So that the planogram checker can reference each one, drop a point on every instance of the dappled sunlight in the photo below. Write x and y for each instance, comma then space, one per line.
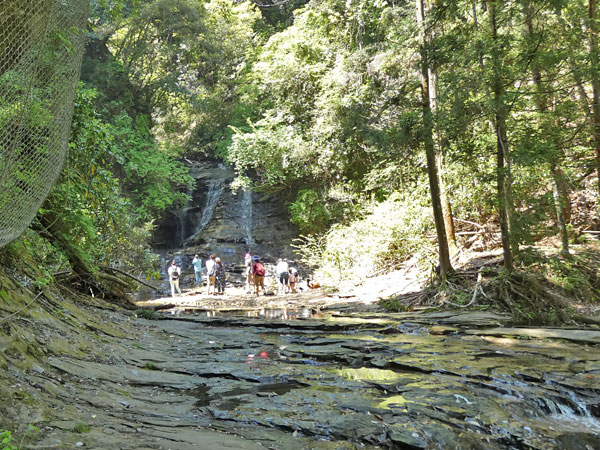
366, 374
396, 401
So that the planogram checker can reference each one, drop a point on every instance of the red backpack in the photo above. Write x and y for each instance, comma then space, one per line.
259, 269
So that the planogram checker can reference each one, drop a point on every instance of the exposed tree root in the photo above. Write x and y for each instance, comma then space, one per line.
83, 278
529, 300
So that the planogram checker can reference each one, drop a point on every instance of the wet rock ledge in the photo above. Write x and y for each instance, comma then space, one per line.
96, 378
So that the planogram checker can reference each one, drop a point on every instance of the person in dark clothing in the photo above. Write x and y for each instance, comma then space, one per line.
220, 277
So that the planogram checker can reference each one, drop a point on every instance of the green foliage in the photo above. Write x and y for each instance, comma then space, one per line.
89, 206
149, 314
6, 440
185, 59
393, 304
327, 108
88, 200
577, 275
309, 212
151, 172
387, 234
81, 428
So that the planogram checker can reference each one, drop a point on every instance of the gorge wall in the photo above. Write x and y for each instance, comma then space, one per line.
219, 220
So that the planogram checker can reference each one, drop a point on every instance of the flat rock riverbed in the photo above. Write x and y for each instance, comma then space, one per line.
326, 377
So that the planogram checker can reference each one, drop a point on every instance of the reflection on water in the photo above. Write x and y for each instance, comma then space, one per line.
283, 314
374, 379
269, 314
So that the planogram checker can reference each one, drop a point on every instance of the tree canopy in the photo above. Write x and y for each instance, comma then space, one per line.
487, 111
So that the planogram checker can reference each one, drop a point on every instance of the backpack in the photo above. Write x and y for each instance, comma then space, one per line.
174, 274
259, 269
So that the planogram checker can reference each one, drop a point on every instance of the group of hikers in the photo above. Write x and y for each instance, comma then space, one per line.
216, 276
255, 275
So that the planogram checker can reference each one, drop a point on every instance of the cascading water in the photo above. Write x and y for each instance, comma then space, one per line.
223, 218
246, 216
215, 190
182, 216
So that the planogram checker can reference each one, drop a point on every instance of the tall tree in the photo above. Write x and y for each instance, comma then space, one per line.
543, 102
592, 27
503, 161
439, 149
428, 140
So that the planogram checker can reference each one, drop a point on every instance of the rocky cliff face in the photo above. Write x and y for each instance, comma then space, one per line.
218, 220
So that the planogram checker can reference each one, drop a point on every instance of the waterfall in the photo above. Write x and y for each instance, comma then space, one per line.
182, 216
246, 216
215, 190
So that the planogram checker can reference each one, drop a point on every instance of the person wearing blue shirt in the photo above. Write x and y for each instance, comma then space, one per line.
197, 263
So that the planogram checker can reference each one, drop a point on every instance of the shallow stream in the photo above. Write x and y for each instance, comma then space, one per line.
341, 380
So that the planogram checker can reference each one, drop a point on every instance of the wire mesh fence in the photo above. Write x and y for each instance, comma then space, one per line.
41, 46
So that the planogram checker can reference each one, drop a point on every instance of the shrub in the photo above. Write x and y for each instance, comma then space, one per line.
6, 440
389, 233
143, 313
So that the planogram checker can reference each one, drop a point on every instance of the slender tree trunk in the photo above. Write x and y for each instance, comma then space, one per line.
439, 159
560, 204
560, 192
504, 182
594, 57
446, 206
445, 265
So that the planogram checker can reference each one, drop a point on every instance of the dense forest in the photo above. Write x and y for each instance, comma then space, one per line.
430, 168
393, 130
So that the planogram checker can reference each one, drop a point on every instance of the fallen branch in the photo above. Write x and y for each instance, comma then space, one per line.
474, 298
130, 276
5, 319
110, 278
62, 273
586, 320
470, 223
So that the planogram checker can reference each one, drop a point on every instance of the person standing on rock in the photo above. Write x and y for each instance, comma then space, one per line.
174, 274
197, 263
220, 277
258, 274
248, 271
211, 273
293, 279
283, 275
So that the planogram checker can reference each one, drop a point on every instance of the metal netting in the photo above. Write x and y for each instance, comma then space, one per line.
41, 46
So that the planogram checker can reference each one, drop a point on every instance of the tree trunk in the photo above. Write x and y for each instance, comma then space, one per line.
446, 206
49, 231
560, 191
439, 159
561, 200
445, 265
593, 50
504, 182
